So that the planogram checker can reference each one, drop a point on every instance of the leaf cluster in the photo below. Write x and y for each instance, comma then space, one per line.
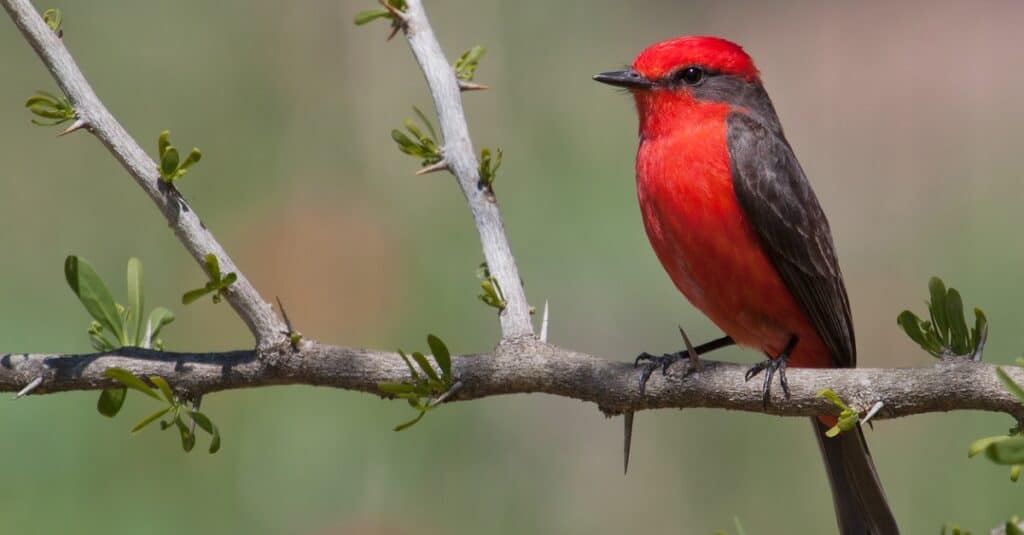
426, 384
946, 334
465, 66
489, 170
174, 413
55, 110
848, 418
492, 295
123, 323
422, 145
53, 18
171, 168
1004, 449
217, 285
390, 11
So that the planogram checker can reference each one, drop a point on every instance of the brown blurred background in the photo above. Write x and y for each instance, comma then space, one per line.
906, 117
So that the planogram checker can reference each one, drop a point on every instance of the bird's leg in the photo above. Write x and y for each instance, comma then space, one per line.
773, 364
664, 362
667, 359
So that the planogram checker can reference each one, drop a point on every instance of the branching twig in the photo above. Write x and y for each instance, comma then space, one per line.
94, 117
525, 367
460, 159
520, 364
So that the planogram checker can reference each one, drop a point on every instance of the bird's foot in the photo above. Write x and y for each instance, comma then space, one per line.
691, 354
770, 366
655, 362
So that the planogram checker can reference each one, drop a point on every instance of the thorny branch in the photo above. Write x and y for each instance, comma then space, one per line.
257, 314
520, 363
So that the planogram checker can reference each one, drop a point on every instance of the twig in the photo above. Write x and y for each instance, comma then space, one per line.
461, 160
258, 315
519, 368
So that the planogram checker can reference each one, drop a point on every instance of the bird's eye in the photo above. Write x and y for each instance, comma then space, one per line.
690, 75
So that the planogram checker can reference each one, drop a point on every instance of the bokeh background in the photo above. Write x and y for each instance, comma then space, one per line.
907, 117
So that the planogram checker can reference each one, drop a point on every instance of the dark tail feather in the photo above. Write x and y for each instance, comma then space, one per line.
861, 507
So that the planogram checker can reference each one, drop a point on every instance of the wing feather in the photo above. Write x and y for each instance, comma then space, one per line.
777, 199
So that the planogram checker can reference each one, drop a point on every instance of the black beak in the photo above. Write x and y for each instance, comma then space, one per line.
628, 79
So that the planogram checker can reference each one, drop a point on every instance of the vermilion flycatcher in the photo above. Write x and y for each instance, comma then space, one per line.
737, 227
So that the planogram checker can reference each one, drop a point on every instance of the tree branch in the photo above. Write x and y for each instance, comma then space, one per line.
264, 324
532, 367
520, 364
462, 162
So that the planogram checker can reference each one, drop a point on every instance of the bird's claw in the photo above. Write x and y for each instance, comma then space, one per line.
663, 362
773, 365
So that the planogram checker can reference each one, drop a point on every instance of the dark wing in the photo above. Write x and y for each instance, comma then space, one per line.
778, 201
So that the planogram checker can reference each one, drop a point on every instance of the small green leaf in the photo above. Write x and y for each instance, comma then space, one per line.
980, 332
111, 400
165, 388
228, 280
911, 325
1009, 451
206, 425
150, 419
188, 440
425, 365
958, 334
412, 369
404, 143
52, 17
193, 158
410, 423
135, 297
1010, 384
94, 295
979, 446
938, 308
193, 295
163, 142
371, 15
465, 66
169, 162
426, 122
158, 318
129, 379
212, 266
441, 355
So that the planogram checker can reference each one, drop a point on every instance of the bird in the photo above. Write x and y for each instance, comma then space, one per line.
734, 221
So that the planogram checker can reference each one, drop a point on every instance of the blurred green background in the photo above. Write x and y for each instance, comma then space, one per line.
906, 117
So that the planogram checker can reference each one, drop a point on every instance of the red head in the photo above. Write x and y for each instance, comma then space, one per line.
712, 54
707, 75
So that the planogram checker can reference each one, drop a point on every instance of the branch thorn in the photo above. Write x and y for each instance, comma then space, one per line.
872, 412
627, 439
433, 168
544, 324
472, 86
694, 358
444, 397
77, 125
29, 387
